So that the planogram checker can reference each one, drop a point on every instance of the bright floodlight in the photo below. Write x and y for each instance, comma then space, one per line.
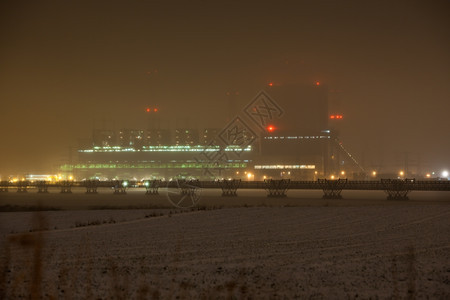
445, 174
125, 183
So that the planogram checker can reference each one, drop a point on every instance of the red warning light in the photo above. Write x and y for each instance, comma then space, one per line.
317, 83
147, 109
155, 109
336, 117
332, 116
270, 128
270, 83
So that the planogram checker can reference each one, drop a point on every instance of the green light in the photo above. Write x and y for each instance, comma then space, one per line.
157, 165
174, 148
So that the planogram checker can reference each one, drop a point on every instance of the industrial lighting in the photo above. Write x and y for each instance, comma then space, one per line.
342, 172
270, 128
374, 173
445, 173
401, 173
176, 148
278, 167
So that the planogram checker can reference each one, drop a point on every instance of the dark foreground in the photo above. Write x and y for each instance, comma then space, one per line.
342, 249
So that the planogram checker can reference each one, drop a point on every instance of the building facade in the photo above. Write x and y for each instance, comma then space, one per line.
299, 145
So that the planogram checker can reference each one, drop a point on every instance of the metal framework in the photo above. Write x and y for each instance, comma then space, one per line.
332, 188
277, 188
120, 187
189, 187
91, 186
66, 187
22, 186
182, 193
42, 186
4, 186
230, 187
152, 187
396, 189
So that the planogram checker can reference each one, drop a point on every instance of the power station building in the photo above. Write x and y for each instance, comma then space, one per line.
298, 144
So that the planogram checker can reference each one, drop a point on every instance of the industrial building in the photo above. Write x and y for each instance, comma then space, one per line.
300, 144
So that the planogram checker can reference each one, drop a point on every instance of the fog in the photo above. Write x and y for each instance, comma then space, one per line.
67, 66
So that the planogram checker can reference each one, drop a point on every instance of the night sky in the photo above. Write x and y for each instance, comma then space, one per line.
67, 66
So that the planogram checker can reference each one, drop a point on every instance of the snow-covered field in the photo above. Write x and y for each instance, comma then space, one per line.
246, 247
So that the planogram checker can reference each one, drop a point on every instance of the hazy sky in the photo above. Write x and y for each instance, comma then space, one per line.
67, 64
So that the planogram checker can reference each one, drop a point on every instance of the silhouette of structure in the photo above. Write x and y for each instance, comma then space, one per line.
301, 145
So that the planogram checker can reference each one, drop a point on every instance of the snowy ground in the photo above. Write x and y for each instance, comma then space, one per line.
246, 247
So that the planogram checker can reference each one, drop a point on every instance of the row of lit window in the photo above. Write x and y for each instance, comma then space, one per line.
278, 167
160, 165
297, 137
181, 148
